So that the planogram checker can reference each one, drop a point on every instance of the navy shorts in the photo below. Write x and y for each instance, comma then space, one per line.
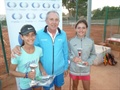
58, 81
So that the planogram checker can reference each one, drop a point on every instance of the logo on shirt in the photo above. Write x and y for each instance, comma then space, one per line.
43, 39
59, 39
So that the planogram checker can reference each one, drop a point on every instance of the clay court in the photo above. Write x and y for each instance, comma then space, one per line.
102, 77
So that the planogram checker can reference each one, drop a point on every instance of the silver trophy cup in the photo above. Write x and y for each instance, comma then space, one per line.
33, 66
79, 52
80, 64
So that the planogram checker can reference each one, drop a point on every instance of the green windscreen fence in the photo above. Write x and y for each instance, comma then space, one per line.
112, 23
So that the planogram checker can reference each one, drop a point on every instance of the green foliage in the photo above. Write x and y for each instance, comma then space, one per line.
71, 6
113, 12
4, 23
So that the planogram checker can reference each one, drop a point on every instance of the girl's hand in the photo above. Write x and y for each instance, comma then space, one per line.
77, 60
86, 63
31, 74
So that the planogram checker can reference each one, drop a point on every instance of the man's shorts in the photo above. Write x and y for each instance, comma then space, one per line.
87, 77
58, 81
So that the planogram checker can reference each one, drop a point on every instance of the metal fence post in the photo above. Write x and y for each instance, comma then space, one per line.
105, 24
76, 17
0, 85
3, 49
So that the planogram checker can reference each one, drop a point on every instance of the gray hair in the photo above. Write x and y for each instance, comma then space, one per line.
53, 11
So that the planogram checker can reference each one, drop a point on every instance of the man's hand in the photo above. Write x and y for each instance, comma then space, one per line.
15, 50
66, 73
44, 73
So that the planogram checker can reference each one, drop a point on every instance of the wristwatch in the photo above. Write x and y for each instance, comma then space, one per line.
26, 75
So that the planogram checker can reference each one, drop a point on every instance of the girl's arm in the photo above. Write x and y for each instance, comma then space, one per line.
15, 73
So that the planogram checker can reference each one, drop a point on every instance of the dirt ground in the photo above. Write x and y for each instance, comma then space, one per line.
96, 34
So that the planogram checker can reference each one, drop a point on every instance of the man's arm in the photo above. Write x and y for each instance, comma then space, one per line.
43, 72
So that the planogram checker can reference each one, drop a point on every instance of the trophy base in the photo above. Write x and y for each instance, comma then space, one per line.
81, 64
33, 83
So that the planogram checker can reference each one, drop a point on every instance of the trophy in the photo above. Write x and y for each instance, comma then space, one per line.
80, 64
79, 52
33, 66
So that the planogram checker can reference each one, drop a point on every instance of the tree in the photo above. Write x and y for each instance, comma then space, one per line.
4, 23
71, 6
113, 12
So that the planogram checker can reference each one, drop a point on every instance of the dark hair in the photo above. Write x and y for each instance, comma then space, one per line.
81, 21
22, 43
